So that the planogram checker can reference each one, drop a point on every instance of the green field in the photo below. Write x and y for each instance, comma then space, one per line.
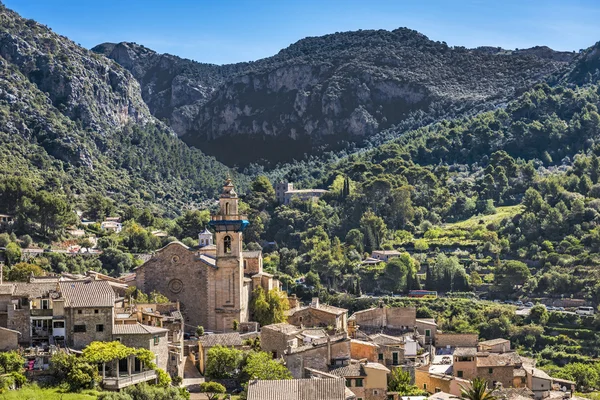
484, 220
36, 393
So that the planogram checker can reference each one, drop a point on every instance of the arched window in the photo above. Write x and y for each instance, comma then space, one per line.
227, 244
226, 208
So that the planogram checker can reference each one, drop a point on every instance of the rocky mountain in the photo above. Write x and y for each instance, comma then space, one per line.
74, 120
325, 92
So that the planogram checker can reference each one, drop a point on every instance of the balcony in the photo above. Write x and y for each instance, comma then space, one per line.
231, 217
38, 312
120, 382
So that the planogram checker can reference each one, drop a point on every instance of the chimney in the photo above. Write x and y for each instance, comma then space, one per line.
328, 347
315, 302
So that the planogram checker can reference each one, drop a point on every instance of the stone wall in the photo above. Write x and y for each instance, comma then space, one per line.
175, 272
456, 340
146, 341
316, 357
364, 350
273, 341
501, 374
9, 340
390, 317
91, 318
19, 320
313, 317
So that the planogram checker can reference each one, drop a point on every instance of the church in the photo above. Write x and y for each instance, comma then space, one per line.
213, 283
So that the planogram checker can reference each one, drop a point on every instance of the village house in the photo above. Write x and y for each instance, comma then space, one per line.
145, 337
6, 219
277, 338
9, 339
394, 321
300, 389
320, 315
213, 290
384, 255
285, 192
112, 224
206, 342
367, 380
494, 346
320, 354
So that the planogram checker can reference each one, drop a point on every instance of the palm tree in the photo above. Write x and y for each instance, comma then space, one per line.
477, 391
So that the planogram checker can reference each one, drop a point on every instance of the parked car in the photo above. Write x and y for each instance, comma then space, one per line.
560, 308
550, 308
518, 303
583, 310
529, 304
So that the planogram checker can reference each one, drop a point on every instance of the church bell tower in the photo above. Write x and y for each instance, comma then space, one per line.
229, 299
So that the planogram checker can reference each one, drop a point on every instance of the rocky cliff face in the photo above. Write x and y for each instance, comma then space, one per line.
326, 91
74, 118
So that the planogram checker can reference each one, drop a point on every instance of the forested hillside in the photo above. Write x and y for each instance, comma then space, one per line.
73, 122
326, 93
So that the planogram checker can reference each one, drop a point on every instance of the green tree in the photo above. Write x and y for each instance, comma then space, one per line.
192, 222
12, 253
478, 390
374, 229
21, 272
511, 274
212, 389
270, 307
200, 330
223, 362
260, 365
97, 207
400, 381
11, 361
539, 315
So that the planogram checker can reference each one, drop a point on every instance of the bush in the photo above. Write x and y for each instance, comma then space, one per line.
26, 241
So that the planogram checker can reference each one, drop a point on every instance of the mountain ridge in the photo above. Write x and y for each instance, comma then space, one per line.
327, 91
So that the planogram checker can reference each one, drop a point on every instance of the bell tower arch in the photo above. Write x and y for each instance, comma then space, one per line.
226, 289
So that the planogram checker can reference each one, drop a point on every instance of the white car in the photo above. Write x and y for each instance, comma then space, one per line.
585, 310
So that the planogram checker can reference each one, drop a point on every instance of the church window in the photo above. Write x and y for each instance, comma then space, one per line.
227, 244
226, 208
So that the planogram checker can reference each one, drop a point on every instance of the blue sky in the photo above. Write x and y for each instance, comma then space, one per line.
223, 31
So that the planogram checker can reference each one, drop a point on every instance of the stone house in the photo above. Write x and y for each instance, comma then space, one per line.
277, 338
145, 337
206, 342
452, 340
9, 339
300, 389
364, 350
499, 368
494, 346
393, 321
89, 312
320, 354
213, 290
435, 382
320, 315
34, 309
390, 349
385, 255
367, 380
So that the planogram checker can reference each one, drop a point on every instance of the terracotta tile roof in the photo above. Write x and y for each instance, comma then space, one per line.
323, 307
386, 340
7, 288
137, 329
252, 254
493, 342
498, 359
223, 339
298, 389
465, 351
350, 370
208, 260
34, 290
282, 327
87, 294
